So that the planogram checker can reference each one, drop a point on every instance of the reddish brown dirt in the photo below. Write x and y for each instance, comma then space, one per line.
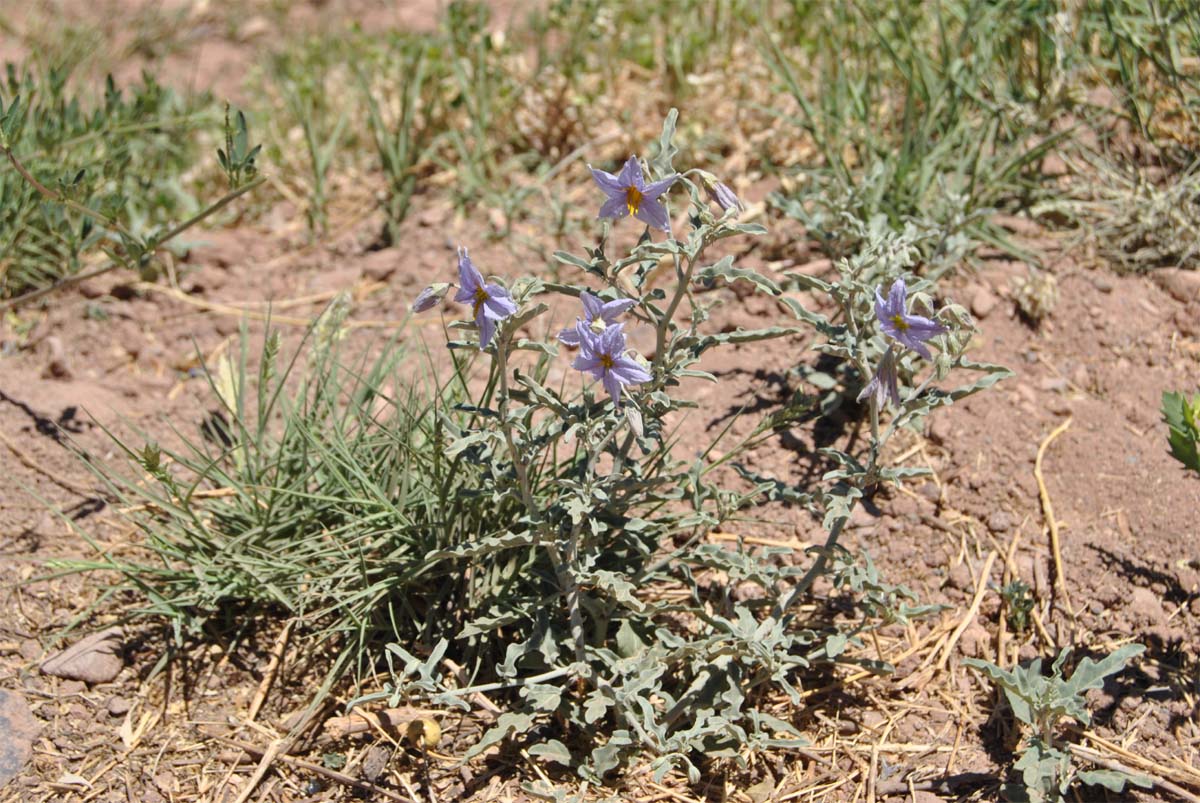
1125, 510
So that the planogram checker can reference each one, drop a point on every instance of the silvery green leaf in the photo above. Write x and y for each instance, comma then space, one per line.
1090, 674
486, 546
543, 697
508, 723
525, 344
571, 259
1113, 780
608, 756
552, 750
724, 270
802, 313
595, 708
1017, 689
835, 645
667, 150
524, 316
620, 588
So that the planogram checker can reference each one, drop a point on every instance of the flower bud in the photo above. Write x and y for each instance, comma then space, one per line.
430, 297
718, 192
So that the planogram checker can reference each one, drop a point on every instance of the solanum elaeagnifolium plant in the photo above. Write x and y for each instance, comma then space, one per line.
1048, 771
600, 586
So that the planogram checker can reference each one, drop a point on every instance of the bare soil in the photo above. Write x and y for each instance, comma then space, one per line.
1124, 510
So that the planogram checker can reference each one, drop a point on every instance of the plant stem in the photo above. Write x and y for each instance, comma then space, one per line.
157, 244
562, 565
815, 571
58, 197
502, 408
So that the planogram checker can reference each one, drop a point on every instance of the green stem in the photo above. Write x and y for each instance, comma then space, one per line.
157, 244
58, 197
814, 572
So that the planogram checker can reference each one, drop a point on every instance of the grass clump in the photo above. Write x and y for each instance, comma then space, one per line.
315, 489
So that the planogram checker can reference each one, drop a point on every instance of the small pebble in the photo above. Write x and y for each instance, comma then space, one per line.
983, 302
118, 705
1001, 521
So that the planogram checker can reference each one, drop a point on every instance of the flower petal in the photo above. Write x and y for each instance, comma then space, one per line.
631, 175
881, 307
609, 312
615, 208
613, 386
923, 328
896, 297
656, 189
630, 371
655, 214
499, 304
607, 182
469, 277
592, 306
612, 340
569, 336
913, 343
589, 363
487, 329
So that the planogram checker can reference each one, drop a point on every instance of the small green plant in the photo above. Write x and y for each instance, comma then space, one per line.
84, 177
89, 185
1039, 701
923, 115
1018, 603
307, 78
405, 137
1183, 427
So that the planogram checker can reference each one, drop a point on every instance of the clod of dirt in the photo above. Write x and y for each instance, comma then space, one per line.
975, 641
95, 659
939, 430
375, 762
1144, 604
1001, 521
17, 731
378, 266
983, 302
118, 705
960, 577
1183, 285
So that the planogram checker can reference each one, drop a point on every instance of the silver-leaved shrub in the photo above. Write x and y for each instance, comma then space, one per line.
597, 584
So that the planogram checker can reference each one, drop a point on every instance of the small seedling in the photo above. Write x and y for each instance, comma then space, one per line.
1039, 701
1183, 425
1018, 603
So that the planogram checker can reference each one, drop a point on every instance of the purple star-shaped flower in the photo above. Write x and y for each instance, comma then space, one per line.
597, 315
490, 303
629, 194
884, 386
907, 330
603, 356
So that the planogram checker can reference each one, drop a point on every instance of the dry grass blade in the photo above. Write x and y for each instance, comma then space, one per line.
1060, 580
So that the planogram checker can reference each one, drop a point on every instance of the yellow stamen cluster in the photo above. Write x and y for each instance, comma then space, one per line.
633, 199
481, 298
606, 360
900, 323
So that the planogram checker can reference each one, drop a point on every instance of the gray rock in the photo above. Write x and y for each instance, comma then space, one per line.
17, 731
95, 659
